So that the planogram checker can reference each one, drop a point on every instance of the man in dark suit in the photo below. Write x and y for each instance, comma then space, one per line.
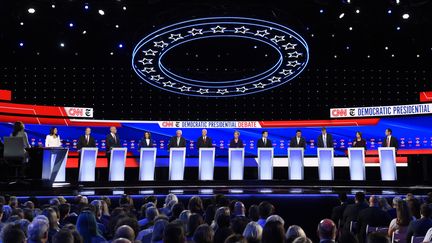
351, 211
325, 140
298, 141
204, 141
264, 142
373, 216
146, 141
389, 140
338, 211
177, 141
112, 141
86, 140
327, 231
420, 226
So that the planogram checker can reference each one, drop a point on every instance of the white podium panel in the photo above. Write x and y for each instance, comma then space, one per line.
177, 163
357, 169
147, 164
296, 163
265, 163
326, 164
54, 164
88, 157
117, 164
206, 164
387, 157
236, 163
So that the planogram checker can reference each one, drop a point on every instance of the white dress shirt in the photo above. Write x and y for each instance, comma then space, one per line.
147, 141
325, 140
50, 141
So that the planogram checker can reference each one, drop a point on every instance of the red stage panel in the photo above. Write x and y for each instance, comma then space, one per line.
426, 96
5, 95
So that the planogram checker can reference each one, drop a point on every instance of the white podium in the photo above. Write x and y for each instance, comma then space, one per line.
326, 164
235, 163
356, 157
117, 164
177, 164
54, 164
387, 157
147, 164
296, 163
206, 164
265, 163
87, 167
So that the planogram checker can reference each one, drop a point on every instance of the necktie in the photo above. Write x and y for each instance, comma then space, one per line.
265, 141
204, 139
178, 141
325, 141
298, 140
87, 139
115, 140
388, 141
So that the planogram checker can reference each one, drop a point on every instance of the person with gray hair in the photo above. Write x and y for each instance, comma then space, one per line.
150, 214
239, 209
204, 141
253, 232
293, 232
275, 218
178, 141
220, 211
158, 230
170, 200
38, 230
126, 232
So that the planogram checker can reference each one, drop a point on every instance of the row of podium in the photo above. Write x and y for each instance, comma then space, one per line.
54, 164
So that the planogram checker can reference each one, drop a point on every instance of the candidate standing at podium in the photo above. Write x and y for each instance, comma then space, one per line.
236, 142
298, 141
146, 141
325, 140
204, 141
86, 140
264, 142
52, 140
359, 142
112, 141
177, 141
390, 140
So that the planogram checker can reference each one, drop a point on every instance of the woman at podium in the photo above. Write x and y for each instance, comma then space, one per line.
146, 141
236, 142
359, 142
52, 140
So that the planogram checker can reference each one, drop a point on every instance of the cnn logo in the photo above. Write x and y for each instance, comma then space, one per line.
167, 124
76, 112
339, 112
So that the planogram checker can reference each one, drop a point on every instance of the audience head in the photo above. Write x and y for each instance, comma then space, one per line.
265, 209
174, 233
203, 234
121, 240
253, 232
170, 197
293, 232
302, 240
195, 220
125, 231
276, 218
87, 225
151, 213
425, 211
239, 209
403, 216
273, 232
12, 233
195, 205
253, 213
359, 197
158, 228
38, 229
63, 236
236, 238
373, 201
327, 230
238, 224
342, 196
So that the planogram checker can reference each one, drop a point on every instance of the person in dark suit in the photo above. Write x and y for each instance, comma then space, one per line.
236, 142
146, 141
327, 231
359, 142
298, 141
177, 141
264, 142
373, 216
204, 141
112, 141
351, 211
325, 140
420, 226
338, 211
86, 140
390, 140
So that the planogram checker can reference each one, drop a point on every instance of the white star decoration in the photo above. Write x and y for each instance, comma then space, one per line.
289, 46
218, 29
150, 52
294, 54
175, 37
146, 61
222, 91
286, 72
156, 77
274, 79
149, 70
160, 44
184, 88
168, 84
242, 89
241, 30
293, 63
262, 33
195, 32
203, 91
278, 38
259, 85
